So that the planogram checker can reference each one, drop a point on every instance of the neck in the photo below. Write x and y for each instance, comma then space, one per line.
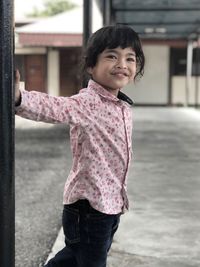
110, 90
113, 91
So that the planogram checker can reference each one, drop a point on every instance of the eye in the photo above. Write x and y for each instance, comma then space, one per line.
111, 56
131, 59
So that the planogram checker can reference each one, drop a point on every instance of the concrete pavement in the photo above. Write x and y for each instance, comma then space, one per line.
42, 162
162, 228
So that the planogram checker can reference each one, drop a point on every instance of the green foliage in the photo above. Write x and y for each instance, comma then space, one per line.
52, 7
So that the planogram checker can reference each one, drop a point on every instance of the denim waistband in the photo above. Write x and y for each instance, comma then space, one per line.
82, 205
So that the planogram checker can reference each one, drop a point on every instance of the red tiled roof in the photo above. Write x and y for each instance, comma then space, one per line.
53, 40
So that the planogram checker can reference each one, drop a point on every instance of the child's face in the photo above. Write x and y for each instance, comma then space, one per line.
115, 68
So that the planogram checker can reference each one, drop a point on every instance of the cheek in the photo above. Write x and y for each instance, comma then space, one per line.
133, 71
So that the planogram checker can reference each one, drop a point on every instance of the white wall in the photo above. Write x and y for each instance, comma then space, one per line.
179, 90
152, 88
97, 18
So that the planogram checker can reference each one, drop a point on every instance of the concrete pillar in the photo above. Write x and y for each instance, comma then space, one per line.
189, 70
198, 71
87, 28
53, 77
106, 12
87, 20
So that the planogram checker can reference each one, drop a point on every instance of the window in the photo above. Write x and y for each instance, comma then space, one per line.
179, 61
196, 62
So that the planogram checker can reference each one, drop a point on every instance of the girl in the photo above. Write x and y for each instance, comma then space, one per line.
100, 119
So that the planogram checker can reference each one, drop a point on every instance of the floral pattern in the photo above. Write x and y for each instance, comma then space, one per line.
100, 134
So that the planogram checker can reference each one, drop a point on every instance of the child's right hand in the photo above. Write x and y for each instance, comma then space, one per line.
17, 85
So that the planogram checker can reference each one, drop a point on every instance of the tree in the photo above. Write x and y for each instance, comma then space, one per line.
52, 7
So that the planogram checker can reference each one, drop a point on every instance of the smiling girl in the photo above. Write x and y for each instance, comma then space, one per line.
100, 119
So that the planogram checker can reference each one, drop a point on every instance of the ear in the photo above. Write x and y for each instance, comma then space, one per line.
90, 70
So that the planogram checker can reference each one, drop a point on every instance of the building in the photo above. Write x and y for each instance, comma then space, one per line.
50, 50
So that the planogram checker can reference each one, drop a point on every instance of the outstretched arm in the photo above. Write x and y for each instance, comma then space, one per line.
40, 106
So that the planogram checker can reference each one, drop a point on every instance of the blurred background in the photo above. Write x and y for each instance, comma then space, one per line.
49, 46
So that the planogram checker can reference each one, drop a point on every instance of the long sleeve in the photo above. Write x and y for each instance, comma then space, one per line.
43, 107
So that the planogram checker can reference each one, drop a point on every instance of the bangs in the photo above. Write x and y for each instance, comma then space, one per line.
120, 38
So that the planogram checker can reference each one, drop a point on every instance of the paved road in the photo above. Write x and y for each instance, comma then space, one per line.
162, 228
41, 169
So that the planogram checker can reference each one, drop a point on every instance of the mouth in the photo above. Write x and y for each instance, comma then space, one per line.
120, 73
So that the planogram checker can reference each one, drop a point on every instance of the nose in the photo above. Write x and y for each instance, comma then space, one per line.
121, 63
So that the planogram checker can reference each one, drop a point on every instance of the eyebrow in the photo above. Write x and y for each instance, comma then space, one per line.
132, 54
114, 51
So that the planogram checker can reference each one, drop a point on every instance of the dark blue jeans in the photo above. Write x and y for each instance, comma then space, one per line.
88, 236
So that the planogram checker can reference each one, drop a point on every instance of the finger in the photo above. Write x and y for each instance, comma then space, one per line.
17, 75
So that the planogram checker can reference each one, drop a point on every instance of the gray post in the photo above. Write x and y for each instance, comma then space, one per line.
87, 20
106, 12
197, 72
189, 71
7, 221
87, 29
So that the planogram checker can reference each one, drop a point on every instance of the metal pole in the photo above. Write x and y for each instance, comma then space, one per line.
7, 204
189, 71
87, 29
87, 20
106, 12
197, 72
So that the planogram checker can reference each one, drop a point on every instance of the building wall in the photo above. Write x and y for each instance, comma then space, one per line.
179, 91
32, 64
53, 70
70, 74
152, 88
62, 77
35, 72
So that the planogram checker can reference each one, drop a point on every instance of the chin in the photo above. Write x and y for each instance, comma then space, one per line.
119, 86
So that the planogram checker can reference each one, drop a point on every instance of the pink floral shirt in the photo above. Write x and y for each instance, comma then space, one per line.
100, 134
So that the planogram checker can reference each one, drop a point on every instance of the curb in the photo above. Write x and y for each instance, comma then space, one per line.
58, 245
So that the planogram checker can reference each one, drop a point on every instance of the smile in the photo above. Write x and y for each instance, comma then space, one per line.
120, 74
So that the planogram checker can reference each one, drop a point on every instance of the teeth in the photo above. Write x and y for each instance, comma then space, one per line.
119, 73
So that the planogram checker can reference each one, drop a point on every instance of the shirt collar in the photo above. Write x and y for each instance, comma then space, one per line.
101, 90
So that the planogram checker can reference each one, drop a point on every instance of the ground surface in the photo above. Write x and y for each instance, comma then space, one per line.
161, 229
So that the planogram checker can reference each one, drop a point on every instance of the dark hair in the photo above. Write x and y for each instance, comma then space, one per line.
111, 37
